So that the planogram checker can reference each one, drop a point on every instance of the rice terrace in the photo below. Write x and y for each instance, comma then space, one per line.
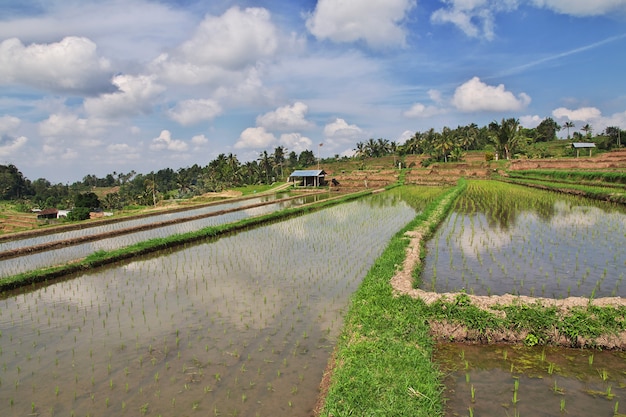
470, 288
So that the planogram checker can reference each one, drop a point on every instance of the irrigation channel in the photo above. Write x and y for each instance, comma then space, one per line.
240, 325
53, 249
499, 239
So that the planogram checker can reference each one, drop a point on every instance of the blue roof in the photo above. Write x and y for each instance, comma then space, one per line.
308, 173
583, 145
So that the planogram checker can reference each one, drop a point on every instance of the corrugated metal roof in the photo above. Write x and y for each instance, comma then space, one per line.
308, 173
583, 145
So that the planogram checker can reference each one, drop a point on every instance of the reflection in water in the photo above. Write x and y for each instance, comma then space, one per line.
574, 247
13, 266
242, 325
542, 381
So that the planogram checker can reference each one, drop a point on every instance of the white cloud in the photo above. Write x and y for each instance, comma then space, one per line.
295, 142
189, 112
476, 18
583, 114
255, 138
223, 49
9, 145
64, 125
582, 7
71, 65
199, 140
165, 142
474, 96
234, 40
135, 95
119, 148
421, 110
435, 96
377, 22
9, 124
286, 118
340, 131
530, 122
473, 17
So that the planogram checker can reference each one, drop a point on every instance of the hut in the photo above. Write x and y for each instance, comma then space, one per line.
583, 145
49, 213
308, 177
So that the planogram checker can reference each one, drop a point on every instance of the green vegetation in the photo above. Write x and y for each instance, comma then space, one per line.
106, 257
383, 357
602, 191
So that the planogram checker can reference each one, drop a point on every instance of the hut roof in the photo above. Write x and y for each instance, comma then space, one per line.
583, 145
308, 173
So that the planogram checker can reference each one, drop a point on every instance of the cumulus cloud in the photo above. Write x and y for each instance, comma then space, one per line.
341, 131
199, 140
295, 142
286, 118
476, 18
71, 65
475, 95
255, 138
419, 110
583, 114
222, 50
377, 22
135, 95
9, 124
165, 142
582, 7
190, 112
64, 125
9, 145
530, 122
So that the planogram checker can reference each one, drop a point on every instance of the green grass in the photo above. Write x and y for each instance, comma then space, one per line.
383, 357
383, 361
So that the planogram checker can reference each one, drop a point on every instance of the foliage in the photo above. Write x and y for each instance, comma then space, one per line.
88, 200
78, 213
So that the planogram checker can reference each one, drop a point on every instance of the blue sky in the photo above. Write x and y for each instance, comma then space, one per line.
93, 87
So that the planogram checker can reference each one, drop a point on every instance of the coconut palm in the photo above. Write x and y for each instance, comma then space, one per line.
568, 125
505, 136
587, 129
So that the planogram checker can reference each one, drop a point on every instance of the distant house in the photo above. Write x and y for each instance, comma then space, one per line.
583, 145
50, 213
308, 177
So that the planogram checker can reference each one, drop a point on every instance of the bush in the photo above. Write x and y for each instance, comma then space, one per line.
489, 156
78, 213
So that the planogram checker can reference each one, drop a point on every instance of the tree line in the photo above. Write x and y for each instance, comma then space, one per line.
504, 139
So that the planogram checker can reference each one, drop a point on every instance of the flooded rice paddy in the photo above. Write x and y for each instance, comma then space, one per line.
522, 381
24, 263
502, 238
242, 325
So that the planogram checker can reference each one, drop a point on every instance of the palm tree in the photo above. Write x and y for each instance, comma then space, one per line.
265, 164
587, 129
278, 158
505, 136
568, 125
445, 143
359, 150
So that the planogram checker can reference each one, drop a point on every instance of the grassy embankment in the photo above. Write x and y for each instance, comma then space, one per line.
598, 185
106, 257
383, 361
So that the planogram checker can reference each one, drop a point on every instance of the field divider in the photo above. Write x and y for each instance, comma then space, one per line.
101, 258
27, 250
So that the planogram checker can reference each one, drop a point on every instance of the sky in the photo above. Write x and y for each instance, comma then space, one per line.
103, 86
